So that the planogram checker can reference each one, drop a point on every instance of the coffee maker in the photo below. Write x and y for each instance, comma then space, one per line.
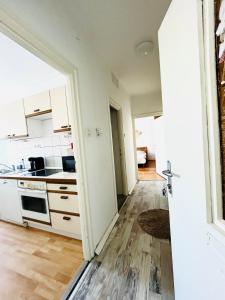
36, 163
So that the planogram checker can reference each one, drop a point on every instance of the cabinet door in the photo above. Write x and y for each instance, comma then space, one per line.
16, 124
10, 208
36, 104
59, 109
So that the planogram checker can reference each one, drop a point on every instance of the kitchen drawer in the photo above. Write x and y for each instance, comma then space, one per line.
66, 223
62, 187
62, 202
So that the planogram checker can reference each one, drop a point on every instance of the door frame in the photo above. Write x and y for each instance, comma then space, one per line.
147, 114
112, 103
12, 27
214, 192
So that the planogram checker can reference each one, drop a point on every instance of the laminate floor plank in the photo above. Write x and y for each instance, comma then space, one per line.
167, 272
131, 266
35, 264
148, 172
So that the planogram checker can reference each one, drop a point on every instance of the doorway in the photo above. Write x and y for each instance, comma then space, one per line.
116, 132
149, 148
54, 143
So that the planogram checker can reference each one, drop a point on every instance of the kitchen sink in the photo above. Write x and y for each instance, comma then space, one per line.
3, 171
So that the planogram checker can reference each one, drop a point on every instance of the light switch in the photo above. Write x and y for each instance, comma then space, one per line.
99, 131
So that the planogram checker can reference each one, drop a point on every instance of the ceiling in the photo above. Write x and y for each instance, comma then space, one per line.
22, 73
114, 28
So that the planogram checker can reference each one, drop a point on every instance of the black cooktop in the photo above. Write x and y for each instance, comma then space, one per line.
44, 172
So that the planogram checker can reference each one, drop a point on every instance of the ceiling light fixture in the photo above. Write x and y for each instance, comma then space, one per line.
144, 48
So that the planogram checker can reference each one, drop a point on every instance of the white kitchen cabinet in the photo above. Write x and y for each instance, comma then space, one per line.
59, 109
63, 202
37, 104
15, 121
10, 208
62, 187
66, 223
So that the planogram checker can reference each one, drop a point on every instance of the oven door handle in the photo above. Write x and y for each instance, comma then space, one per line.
31, 191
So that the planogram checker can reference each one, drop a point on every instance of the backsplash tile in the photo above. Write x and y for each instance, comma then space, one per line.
50, 145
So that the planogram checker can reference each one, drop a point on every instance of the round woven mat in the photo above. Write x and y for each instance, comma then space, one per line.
156, 223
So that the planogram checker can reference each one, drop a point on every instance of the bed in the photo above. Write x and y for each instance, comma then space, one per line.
142, 155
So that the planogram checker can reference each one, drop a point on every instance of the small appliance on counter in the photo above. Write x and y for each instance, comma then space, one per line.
69, 164
36, 163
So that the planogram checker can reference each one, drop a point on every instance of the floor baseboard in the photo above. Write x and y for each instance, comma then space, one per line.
131, 190
106, 235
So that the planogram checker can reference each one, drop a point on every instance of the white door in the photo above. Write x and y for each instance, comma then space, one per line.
180, 44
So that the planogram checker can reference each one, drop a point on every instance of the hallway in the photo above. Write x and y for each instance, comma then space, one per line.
133, 264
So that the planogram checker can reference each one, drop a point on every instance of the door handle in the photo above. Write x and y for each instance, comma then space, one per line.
167, 173
63, 187
164, 192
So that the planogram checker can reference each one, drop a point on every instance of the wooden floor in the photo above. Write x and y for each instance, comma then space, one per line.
133, 265
149, 172
36, 265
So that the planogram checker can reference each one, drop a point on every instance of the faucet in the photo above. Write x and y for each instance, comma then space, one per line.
13, 168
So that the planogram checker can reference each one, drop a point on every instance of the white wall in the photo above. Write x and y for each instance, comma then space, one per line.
46, 144
144, 105
35, 77
145, 135
49, 21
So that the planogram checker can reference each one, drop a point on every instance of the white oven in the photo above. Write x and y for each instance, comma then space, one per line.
34, 201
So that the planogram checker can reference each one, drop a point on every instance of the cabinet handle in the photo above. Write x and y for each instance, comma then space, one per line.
64, 197
36, 110
64, 126
63, 187
66, 218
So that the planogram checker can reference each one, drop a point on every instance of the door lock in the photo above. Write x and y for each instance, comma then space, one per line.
164, 192
168, 173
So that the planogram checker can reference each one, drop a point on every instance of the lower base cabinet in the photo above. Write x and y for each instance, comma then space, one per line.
10, 207
67, 223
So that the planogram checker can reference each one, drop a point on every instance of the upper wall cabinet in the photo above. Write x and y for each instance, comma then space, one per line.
15, 123
59, 109
37, 104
